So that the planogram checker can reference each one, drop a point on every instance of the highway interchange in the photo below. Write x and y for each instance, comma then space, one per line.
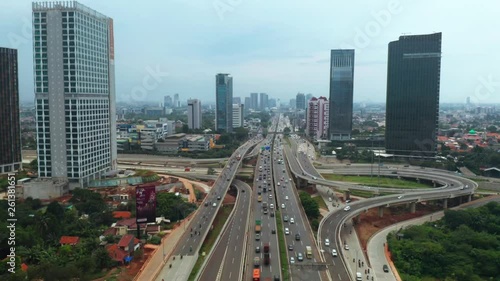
282, 166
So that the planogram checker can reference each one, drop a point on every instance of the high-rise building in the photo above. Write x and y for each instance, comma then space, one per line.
236, 100
224, 103
194, 114
300, 101
177, 102
292, 103
254, 97
272, 103
308, 97
264, 101
10, 130
74, 75
238, 115
341, 94
317, 118
167, 102
413, 78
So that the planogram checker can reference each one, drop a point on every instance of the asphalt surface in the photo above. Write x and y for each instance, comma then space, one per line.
198, 228
227, 256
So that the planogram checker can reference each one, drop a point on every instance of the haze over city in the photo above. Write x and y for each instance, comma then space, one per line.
280, 48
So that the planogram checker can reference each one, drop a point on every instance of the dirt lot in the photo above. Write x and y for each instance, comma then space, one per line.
370, 222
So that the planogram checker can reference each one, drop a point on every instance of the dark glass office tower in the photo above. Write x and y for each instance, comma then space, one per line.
341, 93
413, 76
224, 103
10, 132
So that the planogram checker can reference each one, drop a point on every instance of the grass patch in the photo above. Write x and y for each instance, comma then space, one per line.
321, 202
375, 181
282, 246
207, 245
361, 193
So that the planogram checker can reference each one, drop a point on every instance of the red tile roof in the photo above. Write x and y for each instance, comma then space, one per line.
122, 215
125, 241
116, 253
69, 240
110, 231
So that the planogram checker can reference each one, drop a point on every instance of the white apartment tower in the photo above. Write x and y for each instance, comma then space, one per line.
194, 114
317, 118
238, 115
74, 72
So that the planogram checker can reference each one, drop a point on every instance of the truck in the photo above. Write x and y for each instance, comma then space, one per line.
257, 226
309, 252
267, 259
264, 206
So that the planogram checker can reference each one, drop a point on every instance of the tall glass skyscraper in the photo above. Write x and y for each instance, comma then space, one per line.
10, 130
341, 94
413, 78
74, 75
224, 103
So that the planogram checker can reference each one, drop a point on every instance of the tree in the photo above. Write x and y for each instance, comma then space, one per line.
56, 209
185, 129
492, 129
287, 130
210, 171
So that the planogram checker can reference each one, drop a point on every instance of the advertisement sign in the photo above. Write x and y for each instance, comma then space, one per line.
145, 203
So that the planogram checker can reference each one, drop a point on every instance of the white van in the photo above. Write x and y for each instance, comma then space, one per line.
359, 277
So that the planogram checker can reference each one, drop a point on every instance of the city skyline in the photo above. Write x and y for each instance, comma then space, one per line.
288, 65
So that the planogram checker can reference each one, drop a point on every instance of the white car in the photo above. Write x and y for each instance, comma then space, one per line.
286, 197
270, 196
279, 184
327, 242
271, 206
329, 199
334, 253
347, 208
292, 260
282, 206
214, 204
346, 247
287, 231
401, 196
292, 220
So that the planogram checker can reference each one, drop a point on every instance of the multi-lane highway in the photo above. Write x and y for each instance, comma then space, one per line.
227, 257
185, 253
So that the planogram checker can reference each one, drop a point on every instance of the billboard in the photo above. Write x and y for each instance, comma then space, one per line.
145, 203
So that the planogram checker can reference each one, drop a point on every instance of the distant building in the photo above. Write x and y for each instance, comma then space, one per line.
341, 94
154, 111
194, 143
237, 115
224, 103
177, 102
255, 101
272, 103
10, 130
264, 101
293, 103
300, 101
194, 114
317, 118
41, 188
74, 84
236, 100
413, 79
308, 98
167, 102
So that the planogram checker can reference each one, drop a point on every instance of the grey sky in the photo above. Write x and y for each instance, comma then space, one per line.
280, 48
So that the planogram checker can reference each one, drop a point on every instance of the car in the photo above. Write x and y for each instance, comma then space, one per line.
242, 190
279, 183
297, 237
292, 260
257, 237
270, 196
282, 206
346, 247
348, 201
287, 231
292, 220
285, 218
268, 189
385, 268
300, 257
206, 203
290, 179
257, 249
330, 199
334, 253
347, 208
214, 204
290, 247
286, 197
327, 242
315, 178
228, 179
276, 278
272, 214
401, 196
271, 206
256, 262
273, 231
286, 181
265, 212
259, 193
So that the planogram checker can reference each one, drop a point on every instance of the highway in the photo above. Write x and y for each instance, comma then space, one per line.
227, 256
185, 253
331, 226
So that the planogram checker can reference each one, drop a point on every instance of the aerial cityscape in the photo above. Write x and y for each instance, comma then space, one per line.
241, 140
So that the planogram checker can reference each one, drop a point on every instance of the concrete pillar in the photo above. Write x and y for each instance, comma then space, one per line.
413, 206
469, 197
445, 203
434, 183
380, 211
347, 195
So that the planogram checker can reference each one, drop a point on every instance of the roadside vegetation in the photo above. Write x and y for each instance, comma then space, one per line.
311, 208
463, 246
375, 181
285, 271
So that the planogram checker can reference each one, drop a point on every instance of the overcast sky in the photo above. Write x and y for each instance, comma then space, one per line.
280, 47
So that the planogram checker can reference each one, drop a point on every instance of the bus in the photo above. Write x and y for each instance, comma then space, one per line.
308, 252
256, 274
